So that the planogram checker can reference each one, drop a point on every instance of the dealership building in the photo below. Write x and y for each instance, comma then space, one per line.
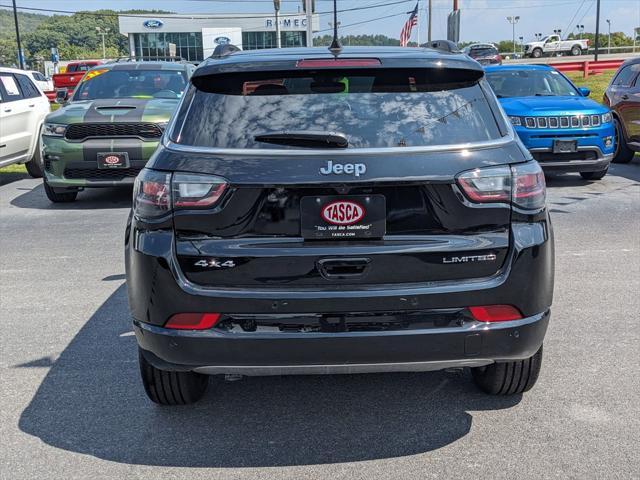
196, 36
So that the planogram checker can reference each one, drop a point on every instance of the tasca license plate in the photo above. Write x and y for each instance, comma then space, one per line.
113, 160
343, 217
565, 146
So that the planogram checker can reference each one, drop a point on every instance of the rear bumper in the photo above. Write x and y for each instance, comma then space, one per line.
157, 289
214, 352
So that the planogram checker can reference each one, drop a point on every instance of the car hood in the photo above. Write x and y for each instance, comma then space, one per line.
123, 110
538, 106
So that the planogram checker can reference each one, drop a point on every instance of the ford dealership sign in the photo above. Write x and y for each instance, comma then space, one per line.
152, 23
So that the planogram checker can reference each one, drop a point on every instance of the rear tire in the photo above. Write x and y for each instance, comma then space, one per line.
171, 388
623, 153
59, 197
509, 378
537, 53
576, 50
594, 175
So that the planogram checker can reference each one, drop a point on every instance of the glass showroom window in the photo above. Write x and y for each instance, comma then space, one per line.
156, 45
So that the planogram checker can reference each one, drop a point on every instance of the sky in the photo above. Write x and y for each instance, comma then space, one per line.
481, 20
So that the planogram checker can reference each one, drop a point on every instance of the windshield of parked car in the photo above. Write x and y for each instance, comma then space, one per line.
81, 67
483, 52
368, 109
529, 83
105, 83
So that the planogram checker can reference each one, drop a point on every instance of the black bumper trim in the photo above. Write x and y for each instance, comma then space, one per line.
576, 166
212, 351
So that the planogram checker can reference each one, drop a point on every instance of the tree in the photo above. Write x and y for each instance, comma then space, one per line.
75, 36
618, 39
359, 40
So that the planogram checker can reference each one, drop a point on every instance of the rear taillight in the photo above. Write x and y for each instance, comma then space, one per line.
156, 193
529, 188
487, 185
495, 313
196, 191
192, 321
523, 185
152, 194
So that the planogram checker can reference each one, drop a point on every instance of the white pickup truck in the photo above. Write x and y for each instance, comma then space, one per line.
552, 45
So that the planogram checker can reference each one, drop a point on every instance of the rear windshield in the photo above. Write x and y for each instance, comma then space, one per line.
483, 51
106, 83
383, 108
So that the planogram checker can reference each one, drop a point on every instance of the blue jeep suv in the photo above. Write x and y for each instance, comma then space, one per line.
563, 130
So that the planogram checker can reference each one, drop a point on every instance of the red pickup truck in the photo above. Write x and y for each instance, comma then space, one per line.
73, 74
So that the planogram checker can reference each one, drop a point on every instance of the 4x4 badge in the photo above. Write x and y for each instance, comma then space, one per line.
215, 263
356, 169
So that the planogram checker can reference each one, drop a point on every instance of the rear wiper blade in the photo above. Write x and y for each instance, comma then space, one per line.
305, 138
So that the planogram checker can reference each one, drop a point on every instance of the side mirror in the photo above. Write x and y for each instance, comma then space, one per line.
584, 91
62, 96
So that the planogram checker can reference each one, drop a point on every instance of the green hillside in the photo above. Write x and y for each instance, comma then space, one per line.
27, 21
75, 35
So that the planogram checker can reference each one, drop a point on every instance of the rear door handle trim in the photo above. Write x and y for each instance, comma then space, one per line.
343, 268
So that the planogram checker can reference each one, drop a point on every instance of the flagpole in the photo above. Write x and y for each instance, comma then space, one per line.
424, 19
429, 24
420, 20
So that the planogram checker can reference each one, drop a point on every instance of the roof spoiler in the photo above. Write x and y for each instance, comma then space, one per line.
224, 50
444, 46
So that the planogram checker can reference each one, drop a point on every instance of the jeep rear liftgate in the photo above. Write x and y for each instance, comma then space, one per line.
327, 178
394, 245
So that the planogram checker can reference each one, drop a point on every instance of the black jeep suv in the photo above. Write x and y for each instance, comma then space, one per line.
306, 213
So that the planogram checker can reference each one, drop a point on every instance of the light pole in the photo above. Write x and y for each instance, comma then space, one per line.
558, 32
513, 21
102, 32
310, 6
595, 57
276, 7
580, 30
20, 54
609, 36
521, 45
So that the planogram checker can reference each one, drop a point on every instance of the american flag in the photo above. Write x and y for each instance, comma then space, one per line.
405, 34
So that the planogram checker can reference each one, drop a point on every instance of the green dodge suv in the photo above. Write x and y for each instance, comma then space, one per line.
111, 126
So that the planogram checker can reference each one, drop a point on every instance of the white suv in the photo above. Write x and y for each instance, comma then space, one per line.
45, 84
23, 108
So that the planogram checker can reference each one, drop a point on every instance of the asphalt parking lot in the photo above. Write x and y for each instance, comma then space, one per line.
73, 405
